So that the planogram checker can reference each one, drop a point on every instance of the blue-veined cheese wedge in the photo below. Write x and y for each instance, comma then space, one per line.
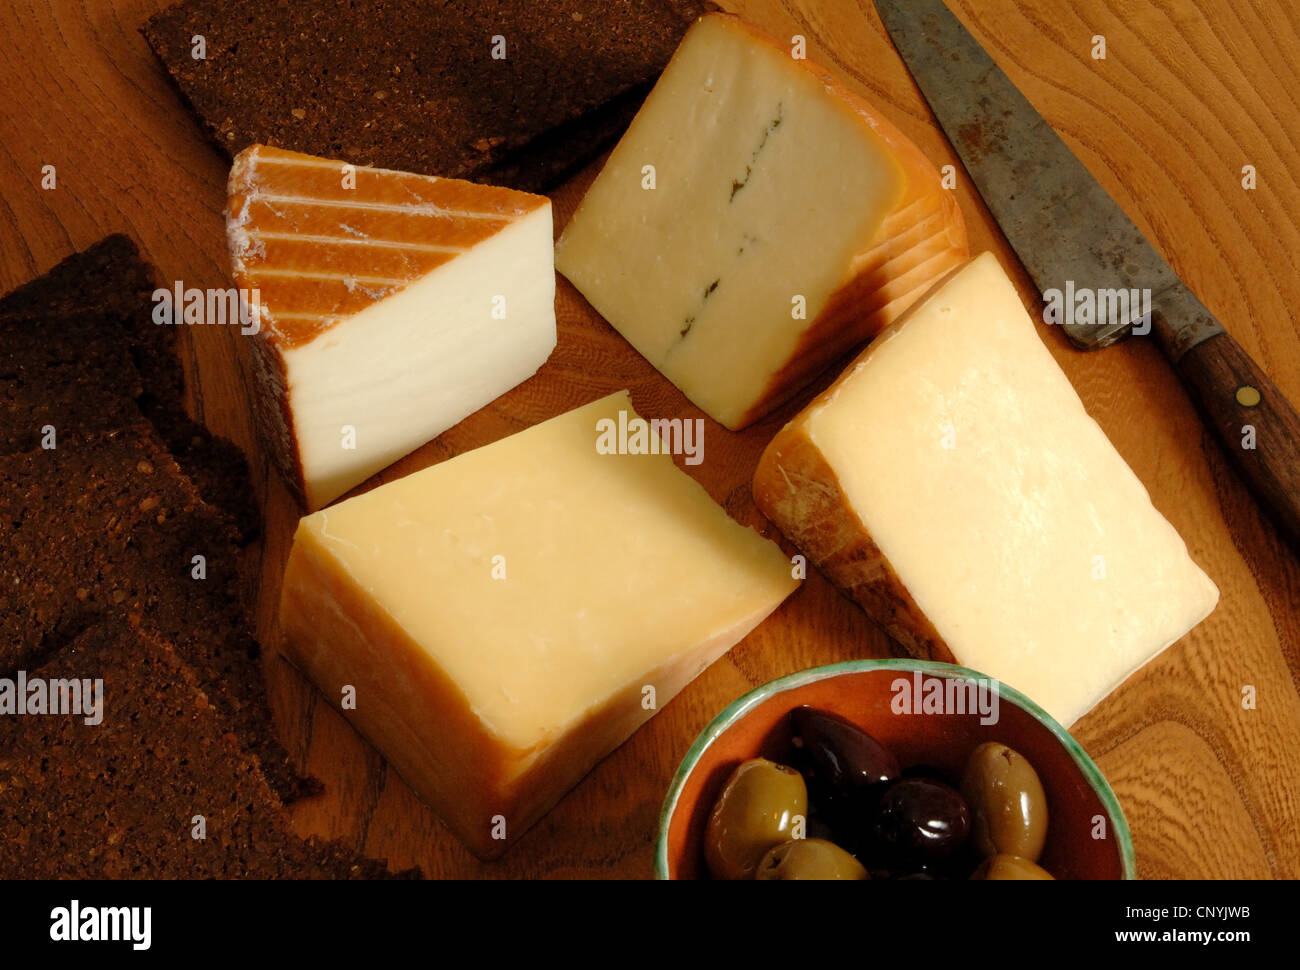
755, 223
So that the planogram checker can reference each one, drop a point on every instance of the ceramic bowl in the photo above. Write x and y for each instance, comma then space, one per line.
896, 702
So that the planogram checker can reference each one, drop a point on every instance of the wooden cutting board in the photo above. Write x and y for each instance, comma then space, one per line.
1187, 95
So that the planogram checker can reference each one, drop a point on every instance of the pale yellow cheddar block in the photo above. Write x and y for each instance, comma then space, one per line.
756, 222
952, 483
500, 614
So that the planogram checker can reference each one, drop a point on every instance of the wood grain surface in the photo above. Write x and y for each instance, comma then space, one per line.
1190, 92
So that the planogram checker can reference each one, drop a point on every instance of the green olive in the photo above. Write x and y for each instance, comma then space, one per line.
809, 859
757, 809
1010, 867
1007, 804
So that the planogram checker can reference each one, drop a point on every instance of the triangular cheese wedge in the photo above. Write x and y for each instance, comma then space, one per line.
391, 306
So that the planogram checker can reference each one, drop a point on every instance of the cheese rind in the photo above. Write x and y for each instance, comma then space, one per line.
501, 613
786, 222
952, 483
392, 306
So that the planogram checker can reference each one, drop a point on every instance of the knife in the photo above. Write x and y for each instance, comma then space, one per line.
1069, 233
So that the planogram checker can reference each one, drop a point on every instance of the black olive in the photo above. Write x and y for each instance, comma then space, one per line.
843, 758
920, 820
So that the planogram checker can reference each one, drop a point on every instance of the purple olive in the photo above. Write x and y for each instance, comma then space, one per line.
921, 819
844, 758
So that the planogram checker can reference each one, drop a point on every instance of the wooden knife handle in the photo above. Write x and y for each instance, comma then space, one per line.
1256, 423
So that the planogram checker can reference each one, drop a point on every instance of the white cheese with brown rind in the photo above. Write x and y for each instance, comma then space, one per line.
952, 483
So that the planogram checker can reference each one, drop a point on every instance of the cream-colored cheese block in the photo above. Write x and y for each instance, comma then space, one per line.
756, 222
502, 614
952, 483
392, 306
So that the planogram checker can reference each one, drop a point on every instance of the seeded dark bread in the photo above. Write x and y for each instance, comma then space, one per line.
109, 277
413, 84
110, 527
552, 157
63, 378
217, 467
105, 291
119, 799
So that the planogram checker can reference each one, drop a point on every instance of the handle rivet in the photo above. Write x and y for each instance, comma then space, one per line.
1247, 396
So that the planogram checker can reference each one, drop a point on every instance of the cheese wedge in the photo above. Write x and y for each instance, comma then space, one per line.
509, 616
392, 306
952, 483
756, 221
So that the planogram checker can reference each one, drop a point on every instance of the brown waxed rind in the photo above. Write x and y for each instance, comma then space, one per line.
866, 303
272, 415
322, 240
799, 492
293, 175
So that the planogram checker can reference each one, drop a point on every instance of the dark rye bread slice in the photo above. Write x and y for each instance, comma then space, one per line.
216, 466
108, 276
110, 527
109, 524
108, 288
561, 152
66, 377
414, 85
118, 799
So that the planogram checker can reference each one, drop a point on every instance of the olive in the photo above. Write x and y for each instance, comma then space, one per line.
809, 859
842, 755
1007, 804
1003, 866
921, 819
756, 810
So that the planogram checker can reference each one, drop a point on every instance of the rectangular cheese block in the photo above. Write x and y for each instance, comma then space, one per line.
756, 221
392, 306
952, 483
501, 615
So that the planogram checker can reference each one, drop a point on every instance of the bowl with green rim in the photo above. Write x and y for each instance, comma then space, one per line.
927, 713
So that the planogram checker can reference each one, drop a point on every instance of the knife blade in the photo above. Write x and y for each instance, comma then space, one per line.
1068, 232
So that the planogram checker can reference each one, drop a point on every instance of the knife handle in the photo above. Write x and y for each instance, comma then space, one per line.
1256, 424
